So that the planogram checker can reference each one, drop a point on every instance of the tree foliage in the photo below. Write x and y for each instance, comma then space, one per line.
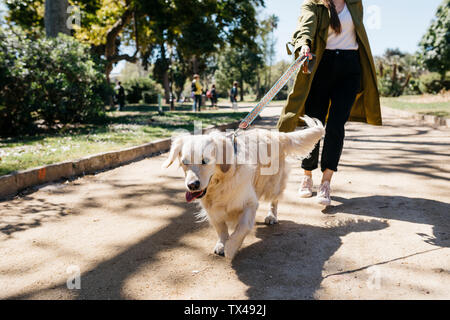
142, 90
187, 34
434, 46
397, 73
47, 81
28, 14
267, 44
238, 64
177, 37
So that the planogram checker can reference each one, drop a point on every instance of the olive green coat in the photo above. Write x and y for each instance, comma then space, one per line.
313, 30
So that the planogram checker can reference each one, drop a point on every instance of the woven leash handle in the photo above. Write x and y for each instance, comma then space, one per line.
293, 69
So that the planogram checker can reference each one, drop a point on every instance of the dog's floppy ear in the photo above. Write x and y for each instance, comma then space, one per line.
175, 150
225, 167
225, 153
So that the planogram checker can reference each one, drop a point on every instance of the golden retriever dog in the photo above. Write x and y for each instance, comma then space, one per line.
230, 175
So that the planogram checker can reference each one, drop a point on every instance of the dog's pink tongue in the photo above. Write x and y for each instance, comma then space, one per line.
192, 196
189, 196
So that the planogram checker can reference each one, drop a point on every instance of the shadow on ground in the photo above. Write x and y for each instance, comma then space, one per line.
31, 215
106, 280
288, 262
414, 210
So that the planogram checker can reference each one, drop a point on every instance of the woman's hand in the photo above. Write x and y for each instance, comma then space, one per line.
305, 51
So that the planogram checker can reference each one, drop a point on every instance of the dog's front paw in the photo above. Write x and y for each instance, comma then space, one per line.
219, 249
271, 219
230, 250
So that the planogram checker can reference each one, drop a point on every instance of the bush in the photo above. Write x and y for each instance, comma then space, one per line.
47, 81
447, 81
413, 87
387, 88
142, 90
283, 94
431, 83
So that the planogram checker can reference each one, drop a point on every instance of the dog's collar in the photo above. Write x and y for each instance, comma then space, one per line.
233, 141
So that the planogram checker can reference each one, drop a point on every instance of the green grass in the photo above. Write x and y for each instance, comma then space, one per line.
134, 126
417, 104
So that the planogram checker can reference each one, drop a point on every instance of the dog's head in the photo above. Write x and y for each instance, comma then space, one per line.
201, 157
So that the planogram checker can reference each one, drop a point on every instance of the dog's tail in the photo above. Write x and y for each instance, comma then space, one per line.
302, 142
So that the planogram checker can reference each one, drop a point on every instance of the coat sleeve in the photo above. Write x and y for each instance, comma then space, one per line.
307, 26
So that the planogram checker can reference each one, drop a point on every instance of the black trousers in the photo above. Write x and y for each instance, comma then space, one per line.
337, 79
198, 102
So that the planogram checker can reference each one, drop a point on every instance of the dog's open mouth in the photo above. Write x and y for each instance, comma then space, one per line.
191, 196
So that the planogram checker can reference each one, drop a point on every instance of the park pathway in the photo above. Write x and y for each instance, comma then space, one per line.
131, 234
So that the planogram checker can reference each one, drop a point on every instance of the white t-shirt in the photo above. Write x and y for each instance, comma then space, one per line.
346, 40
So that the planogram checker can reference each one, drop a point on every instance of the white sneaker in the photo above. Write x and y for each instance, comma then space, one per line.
323, 195
305, 190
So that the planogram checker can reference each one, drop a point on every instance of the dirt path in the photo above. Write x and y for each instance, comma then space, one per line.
132, 236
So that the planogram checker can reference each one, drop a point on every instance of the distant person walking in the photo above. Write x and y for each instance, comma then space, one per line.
197, 91
120, 94
212, 95
233, 96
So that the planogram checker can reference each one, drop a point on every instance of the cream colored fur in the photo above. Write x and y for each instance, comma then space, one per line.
234, 186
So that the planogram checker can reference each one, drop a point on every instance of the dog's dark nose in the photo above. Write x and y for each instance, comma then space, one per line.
194, 185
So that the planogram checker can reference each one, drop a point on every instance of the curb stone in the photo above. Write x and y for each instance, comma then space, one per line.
16, 182
434, 120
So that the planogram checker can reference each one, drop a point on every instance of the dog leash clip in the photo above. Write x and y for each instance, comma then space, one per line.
233, 139
308, 65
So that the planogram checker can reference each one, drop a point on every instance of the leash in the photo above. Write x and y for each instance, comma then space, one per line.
301, 61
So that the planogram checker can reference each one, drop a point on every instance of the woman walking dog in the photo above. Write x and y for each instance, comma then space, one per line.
342, 85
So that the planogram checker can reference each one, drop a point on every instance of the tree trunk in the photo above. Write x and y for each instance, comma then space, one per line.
381, 69
110, 47
241, 87
178, 92
166, 85
443, 76
266, 77
195, 68
394, 73
258, 89
55, 17
165, 73
179, 85
408, 78
270, 75
172, 97
393, 77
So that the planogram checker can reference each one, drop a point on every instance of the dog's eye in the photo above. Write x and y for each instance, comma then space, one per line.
205, 161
